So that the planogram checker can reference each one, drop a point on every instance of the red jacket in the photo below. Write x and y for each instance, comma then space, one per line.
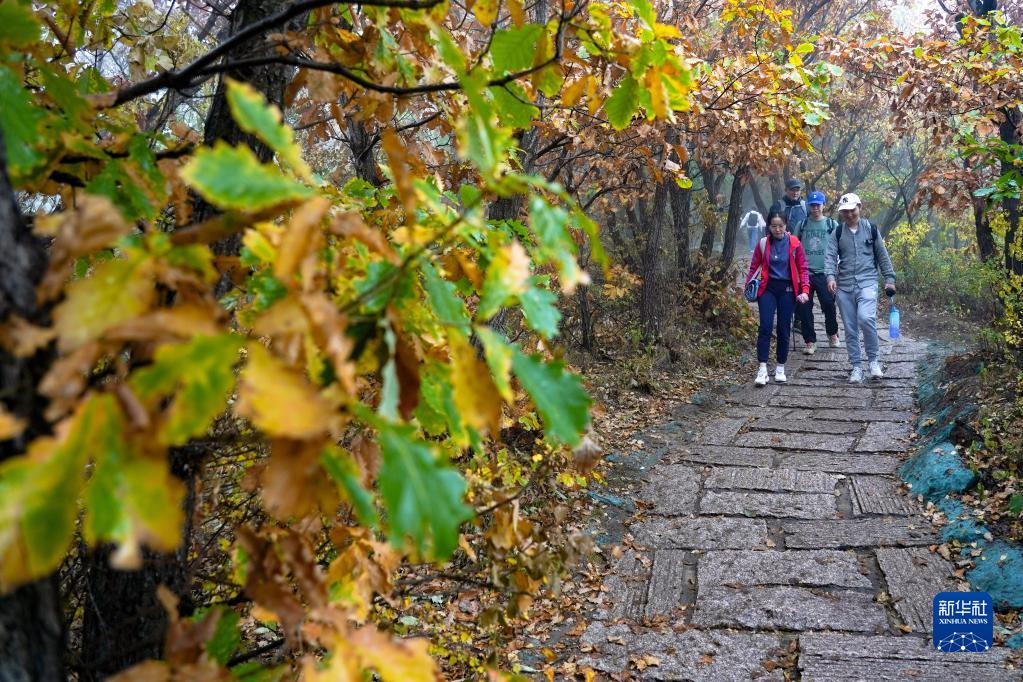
797, 266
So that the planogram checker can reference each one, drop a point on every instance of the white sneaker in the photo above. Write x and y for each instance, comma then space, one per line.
875, 370
833, 341
779, 374
856, 376
761, 379
810, 348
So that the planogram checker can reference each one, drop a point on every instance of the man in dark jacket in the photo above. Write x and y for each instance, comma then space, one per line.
792, 204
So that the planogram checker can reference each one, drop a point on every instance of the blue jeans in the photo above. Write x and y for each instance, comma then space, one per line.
754, 237
775, 301
804, 311
859, 313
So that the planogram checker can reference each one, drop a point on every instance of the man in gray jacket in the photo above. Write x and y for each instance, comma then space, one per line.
855, 254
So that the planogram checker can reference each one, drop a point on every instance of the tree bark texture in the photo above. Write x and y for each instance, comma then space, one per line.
650, 292
681, 208
1009, 132
732, 221
31, 624
712, 182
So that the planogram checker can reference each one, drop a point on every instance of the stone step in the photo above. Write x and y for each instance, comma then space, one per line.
832, 656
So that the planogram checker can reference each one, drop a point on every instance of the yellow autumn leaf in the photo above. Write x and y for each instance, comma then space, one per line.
485, 11
279, 399
476, 396
658, 95
117, 290
573, 93
300, 237
395, 660
593, 100
10, 426
518, 15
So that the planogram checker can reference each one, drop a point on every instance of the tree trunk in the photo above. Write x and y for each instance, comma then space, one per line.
362, 143
31, 624
982, 225
712, 182
1009, 132
681, 206
585, 319
650, 292
763, 205
732, 222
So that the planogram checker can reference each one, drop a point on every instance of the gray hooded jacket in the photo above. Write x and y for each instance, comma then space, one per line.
854, 263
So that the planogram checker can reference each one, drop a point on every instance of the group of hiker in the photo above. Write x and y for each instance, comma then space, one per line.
805, 253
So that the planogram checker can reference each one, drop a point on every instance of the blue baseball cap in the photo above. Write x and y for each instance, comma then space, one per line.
816, 198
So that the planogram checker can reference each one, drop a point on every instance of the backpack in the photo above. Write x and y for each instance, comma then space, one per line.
873, 236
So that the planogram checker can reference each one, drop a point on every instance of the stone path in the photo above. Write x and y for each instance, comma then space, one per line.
779, 536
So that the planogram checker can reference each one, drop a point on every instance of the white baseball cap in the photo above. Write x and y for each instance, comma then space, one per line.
849, 201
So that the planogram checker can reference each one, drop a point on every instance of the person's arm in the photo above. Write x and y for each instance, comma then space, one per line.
804, 271
831, 256
754, 263
884, 262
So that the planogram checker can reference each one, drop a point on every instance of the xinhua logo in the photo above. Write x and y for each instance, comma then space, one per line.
963, 622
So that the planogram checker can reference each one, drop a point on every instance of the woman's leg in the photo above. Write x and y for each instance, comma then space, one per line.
768, 304
786, 303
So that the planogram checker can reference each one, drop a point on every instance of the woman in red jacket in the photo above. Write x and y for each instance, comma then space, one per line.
784, 281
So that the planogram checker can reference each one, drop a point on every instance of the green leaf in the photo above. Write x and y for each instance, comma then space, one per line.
199, 374
436, 411
135, 184
18, 25
443, 297
449, 51
645, 11
226, 636
130, 498
64, 92
498, 354
233, 178
22, 123
342, 469
550, 224
513, 49
542, 316
422, 495
622, 103
39, 499
266, 290
383, 284
558, 395
256, 116
479, 140
1016, 504
512, 108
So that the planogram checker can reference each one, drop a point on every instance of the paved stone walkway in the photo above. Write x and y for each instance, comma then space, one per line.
780, 535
